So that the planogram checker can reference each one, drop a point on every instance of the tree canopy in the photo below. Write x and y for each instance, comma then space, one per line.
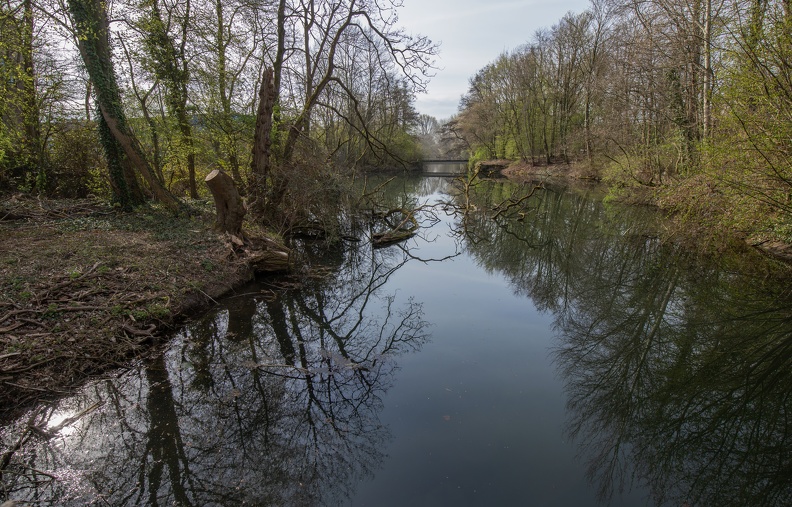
655, 93
172, 87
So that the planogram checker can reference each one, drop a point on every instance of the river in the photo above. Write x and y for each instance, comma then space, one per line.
529, 346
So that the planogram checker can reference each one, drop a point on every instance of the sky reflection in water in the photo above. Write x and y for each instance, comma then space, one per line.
559, 353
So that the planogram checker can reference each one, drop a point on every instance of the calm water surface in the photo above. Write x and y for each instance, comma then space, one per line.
548, 352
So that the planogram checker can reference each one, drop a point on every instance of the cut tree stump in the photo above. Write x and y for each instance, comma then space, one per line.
228, 203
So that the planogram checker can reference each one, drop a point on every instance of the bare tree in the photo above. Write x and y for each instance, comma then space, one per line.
325, 29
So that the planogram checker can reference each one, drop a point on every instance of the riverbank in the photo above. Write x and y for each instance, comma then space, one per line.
700, 209
85, 288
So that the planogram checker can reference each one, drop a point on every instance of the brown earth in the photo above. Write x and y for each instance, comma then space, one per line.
84, 288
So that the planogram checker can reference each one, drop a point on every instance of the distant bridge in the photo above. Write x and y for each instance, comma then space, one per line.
445, 167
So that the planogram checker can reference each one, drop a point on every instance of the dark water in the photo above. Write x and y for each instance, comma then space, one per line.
556, 354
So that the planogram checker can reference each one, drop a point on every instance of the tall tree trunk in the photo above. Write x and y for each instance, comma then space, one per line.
170, 67
30, 116
262, 142
280, 56
587, 129
187, 138
308, 21
187, 128
708, 73
92, 28
226, 113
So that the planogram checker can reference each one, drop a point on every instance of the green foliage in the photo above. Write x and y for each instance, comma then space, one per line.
20, 146
479, 155
91, 27
750, 155
77, 168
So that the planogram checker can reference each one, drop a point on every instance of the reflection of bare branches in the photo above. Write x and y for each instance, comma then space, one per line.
274, 401
677, 374
407, 252
510, 203
473, 196
667, 386
5, 459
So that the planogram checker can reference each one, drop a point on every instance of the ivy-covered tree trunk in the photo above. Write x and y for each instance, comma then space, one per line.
125, 157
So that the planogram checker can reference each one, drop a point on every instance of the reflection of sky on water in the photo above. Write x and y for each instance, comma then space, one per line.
402, 381
477, 416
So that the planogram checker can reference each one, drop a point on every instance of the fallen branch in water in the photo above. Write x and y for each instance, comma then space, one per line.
399, 231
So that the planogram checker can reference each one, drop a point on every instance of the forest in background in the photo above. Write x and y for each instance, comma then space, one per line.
688, 102
137, 99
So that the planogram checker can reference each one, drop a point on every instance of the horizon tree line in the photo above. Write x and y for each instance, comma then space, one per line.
649, 94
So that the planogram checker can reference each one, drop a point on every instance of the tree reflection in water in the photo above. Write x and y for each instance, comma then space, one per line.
678, 368
274, 400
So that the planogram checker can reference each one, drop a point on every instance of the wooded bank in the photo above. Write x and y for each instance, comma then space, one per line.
686, 102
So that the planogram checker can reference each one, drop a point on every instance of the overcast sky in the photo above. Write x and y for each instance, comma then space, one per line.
472, 34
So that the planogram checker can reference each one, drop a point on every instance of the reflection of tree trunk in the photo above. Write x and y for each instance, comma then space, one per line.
164, 436
281, 329
201, 353
658, 312
240, 319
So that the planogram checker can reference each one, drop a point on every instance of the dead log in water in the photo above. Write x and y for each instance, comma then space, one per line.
402, 225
